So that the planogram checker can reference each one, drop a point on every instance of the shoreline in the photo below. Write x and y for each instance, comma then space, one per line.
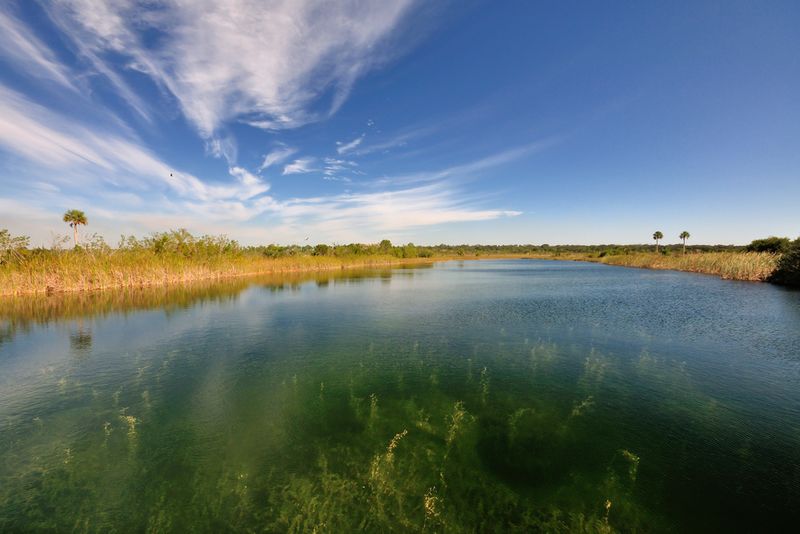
752, 267
737, 266
51, 286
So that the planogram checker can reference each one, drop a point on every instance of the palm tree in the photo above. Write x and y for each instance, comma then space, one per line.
74, 218
684, 236
657, 236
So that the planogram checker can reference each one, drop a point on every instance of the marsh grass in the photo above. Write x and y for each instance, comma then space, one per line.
55, 271
748, 266
736, 265
80, 270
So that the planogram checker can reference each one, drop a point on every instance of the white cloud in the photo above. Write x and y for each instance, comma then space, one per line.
265, 63
333, 169
344, 148
300, 166
399, 140
45, 186
364, 216
29, 54
472, 168
276, 156
53, 141
251, 185
223, 147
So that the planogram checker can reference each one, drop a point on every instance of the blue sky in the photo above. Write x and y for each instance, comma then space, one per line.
463, 122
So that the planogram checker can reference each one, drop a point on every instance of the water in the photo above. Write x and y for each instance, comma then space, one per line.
467, 396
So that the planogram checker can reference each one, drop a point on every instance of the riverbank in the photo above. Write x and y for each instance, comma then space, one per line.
746, 266
79, 271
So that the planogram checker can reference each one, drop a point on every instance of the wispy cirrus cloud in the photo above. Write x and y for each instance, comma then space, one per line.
223, 146
271, 65
276, 156
25, 50
399, 140
300, 166
54, 141
264, 63
470, 169
334, 168
343, 147
367, 216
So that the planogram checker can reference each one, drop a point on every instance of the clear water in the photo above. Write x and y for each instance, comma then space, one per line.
468, 396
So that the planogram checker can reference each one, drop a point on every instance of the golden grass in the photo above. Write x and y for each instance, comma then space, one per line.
77, 270
750, 266
80, 271
19, 311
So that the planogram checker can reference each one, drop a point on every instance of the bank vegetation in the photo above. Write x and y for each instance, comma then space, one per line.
176, 257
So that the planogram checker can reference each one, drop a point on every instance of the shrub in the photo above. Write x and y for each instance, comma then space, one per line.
788, 270
775, 245
410, 251
12, 247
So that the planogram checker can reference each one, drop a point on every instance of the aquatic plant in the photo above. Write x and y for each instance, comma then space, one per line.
546, 446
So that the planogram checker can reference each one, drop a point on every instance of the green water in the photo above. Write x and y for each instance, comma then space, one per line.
493, 396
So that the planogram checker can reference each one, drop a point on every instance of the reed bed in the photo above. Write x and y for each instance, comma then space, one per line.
41, 308
82, 271
749, 266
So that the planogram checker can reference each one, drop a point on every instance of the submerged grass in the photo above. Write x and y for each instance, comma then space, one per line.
340, 469
353, 434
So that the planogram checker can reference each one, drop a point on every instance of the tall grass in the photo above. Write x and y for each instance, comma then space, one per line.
83, 270
177, 256
80, 270
752, 266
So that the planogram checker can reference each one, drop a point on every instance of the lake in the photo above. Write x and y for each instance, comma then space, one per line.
494, 396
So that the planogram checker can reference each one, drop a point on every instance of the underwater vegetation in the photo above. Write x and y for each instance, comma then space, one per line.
351, 443
322, 404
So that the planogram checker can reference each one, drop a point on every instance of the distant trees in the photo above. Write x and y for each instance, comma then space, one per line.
775, 245
658, 236
684, 236
408, 251
75, 218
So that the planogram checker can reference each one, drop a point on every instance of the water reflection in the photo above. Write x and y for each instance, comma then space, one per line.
19, 313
